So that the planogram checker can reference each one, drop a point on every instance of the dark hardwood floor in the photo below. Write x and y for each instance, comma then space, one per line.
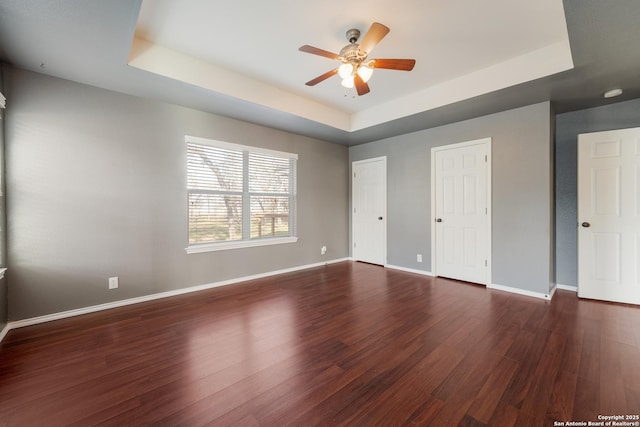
346, 344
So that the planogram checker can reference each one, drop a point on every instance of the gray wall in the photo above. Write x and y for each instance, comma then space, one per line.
96, 188
522, 193
568, 126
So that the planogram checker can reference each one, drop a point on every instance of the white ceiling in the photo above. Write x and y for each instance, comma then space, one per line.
249, 50
240, 59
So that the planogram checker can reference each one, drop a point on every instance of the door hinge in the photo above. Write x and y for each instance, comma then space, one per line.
486, 264
354, 244
485, 158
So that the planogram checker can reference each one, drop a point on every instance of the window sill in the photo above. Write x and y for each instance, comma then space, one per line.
212, 247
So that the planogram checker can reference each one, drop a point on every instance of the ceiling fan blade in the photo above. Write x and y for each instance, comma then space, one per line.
317, 51
376, 32
361, 86
394, 64
322, 77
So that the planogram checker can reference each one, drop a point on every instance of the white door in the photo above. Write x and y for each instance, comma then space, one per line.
369, 200
608, 215
461, 225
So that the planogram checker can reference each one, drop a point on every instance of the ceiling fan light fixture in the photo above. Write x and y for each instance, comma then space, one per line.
348, 82
365, 72
356, 69
345, 70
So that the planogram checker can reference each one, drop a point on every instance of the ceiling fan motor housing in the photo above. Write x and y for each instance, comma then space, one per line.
351, 52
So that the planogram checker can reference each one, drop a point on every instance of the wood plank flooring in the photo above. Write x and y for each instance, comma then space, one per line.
346, 344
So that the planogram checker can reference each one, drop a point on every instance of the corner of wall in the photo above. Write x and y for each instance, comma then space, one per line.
552, 191
4, 291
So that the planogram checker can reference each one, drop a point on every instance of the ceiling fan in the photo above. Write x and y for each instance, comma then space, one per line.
357, 68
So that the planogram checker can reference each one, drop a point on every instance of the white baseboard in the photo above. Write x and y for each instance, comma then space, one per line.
409, 270
520, 291
567, 287
4, 331
492, 286
121, 303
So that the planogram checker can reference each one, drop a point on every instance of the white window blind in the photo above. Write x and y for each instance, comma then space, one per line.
239, 194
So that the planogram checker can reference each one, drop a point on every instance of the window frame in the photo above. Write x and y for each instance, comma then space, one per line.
246, 214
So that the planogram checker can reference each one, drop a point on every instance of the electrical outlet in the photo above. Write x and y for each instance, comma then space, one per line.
323, 250
113, 282
419, 257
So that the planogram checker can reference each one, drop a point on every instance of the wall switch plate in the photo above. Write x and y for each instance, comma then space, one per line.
323, 250
113, 282
419, 257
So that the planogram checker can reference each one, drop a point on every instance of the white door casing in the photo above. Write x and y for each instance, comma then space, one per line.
369, 210
461, 211
609, 215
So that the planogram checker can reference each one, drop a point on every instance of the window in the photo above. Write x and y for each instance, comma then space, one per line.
239, 196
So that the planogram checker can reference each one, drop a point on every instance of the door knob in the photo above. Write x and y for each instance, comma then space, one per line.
438, 219
586, 224
380, 218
